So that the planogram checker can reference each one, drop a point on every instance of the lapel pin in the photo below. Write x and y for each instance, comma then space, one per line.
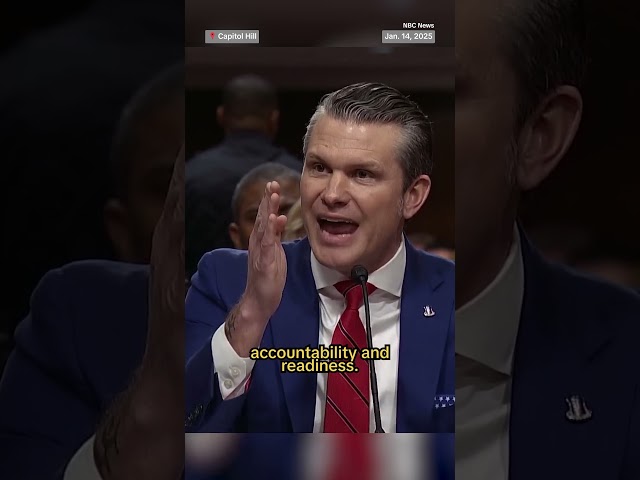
428, 311
578, 410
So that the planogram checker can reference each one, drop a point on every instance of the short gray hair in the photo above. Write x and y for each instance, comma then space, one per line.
363, 103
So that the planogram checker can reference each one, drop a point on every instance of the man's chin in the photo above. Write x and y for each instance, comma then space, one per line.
335, 258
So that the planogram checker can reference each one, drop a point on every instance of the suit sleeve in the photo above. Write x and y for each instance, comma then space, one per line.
46, 407
205, 311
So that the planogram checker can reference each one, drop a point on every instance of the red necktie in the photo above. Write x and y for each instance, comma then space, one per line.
347, 407
352, 458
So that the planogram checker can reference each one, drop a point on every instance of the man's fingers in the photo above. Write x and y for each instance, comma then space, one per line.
260, 225
270, 232
267, 253
280, 224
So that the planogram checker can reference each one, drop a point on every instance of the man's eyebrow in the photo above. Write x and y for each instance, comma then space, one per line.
315, 156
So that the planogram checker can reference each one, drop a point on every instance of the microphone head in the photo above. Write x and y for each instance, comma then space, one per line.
359, 273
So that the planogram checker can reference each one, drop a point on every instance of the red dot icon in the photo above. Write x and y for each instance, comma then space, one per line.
213, 35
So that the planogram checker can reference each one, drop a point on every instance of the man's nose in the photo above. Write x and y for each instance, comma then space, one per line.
336, 190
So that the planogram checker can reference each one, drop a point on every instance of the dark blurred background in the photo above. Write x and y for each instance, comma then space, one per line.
303, 75
287, 23
68, 70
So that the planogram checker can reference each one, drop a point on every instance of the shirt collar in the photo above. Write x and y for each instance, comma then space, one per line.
487, 326
388, 278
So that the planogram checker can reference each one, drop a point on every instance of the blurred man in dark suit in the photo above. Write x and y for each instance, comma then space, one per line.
546, 384
61, 93
249, 116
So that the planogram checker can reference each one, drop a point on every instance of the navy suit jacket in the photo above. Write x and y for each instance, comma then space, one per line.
78, 348
577, 336
285, 402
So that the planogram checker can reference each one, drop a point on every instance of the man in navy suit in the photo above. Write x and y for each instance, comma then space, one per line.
366, 171
547, 384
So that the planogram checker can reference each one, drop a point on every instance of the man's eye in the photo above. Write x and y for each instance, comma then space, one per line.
363, 174
318, 167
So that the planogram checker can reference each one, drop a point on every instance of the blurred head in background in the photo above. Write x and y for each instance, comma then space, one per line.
148, 138
295, 224
520, 65
248, 195
249, 103
366, 171
429, 243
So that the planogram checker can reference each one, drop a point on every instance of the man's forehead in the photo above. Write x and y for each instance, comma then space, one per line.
370, 139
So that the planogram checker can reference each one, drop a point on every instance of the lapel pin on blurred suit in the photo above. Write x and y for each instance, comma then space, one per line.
578, 410
428, 311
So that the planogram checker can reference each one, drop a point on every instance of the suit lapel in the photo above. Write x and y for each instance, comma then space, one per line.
294, 325
551, 363
422, 341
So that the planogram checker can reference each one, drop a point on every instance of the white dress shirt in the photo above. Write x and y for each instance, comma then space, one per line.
486, 330
234, 371
83, 466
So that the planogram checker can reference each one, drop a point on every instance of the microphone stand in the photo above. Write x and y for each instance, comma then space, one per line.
360, 274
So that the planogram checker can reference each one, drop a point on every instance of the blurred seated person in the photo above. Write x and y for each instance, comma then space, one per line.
295, 226
248, 194
429, 243
149, 134
249, 116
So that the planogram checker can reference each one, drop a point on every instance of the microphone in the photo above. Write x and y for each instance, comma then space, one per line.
359, 274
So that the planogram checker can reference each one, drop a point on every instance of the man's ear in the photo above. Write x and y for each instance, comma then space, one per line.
116, 221
234, 233
547, 135
415, 196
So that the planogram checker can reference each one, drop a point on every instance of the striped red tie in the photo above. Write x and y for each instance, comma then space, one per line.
353, 457
347, 408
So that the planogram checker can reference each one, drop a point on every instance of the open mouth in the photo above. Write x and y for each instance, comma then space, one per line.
337, 227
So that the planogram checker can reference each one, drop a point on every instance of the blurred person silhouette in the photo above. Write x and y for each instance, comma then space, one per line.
93, 389
295, 224
248, 195
540, 351
150, 132
62, 91
249, 116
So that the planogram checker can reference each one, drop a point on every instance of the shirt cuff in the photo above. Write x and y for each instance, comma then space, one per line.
83, 465
233, 371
